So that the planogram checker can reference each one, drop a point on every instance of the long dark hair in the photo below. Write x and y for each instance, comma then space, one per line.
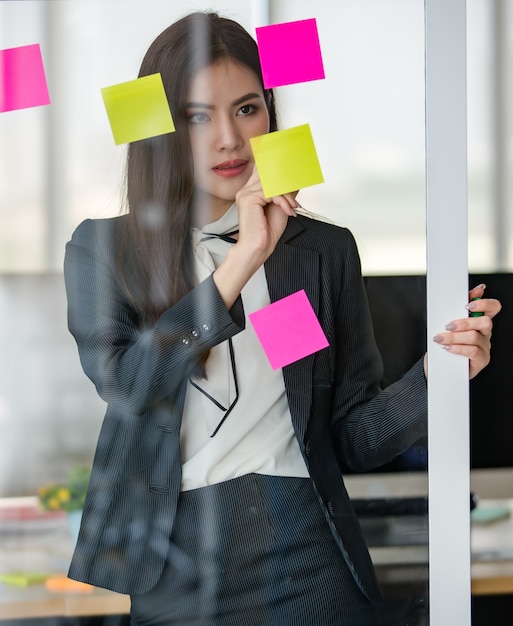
155, 257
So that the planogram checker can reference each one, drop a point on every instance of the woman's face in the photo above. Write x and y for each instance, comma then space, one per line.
225, 107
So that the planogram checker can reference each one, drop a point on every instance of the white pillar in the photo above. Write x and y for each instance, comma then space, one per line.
447, 276
260, 12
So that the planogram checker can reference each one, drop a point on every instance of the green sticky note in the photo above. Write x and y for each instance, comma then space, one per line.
138, 109
286, 160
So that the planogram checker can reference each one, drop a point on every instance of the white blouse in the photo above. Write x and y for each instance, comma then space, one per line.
257, 436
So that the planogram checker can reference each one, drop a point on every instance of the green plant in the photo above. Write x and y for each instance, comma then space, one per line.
67, 496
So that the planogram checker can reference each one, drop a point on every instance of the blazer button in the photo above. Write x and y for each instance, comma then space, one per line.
206, 326
195, 332
186, 341
331, 508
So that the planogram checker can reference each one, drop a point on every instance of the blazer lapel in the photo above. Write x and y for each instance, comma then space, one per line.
291, 268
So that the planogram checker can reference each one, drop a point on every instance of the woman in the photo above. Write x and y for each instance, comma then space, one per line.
216, 494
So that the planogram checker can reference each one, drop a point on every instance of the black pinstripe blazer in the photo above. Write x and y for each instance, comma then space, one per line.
340, 415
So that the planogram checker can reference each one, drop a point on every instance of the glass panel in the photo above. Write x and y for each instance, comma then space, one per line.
368, 120
490, 33
60, 166
490, 39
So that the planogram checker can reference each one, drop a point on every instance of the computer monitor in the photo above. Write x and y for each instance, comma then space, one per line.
398, 309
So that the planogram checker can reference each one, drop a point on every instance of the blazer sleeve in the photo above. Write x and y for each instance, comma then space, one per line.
135, 366
371, 425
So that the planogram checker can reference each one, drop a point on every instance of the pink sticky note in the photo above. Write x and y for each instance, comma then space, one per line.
22, 78
288, 330
290, 53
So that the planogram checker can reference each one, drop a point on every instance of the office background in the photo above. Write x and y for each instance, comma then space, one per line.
59, 165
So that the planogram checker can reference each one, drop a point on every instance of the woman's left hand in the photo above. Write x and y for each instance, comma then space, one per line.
470, 336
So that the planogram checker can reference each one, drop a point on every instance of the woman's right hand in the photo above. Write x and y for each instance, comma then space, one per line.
261, 224
261, 220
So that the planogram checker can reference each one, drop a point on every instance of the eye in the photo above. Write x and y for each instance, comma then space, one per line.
198, 118
247, 109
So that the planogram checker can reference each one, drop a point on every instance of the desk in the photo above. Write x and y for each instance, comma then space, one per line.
37, 602
45, 545
491, 549
492, 553
40, 543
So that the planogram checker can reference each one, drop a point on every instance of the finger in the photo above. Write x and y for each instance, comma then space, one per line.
477, 291
478, 357
285, 198
474, 353
482, 324
291, 200
284, 204
277, 199
473, 295
478, 354
488, 306
467, 338
291, 197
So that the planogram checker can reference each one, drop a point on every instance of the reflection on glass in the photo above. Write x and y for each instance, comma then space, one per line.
367, 117
375, 185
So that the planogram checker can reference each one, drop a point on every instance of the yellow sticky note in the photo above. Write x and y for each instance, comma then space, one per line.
286, 160
138, 109
23, 579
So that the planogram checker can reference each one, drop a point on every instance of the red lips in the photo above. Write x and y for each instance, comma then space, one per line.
229, 169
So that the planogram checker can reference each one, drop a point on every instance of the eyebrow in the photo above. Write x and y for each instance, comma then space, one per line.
202, 105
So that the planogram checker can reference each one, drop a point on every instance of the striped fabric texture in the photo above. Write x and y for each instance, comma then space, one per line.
340, 415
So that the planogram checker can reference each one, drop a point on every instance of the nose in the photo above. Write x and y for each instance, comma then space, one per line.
228, 136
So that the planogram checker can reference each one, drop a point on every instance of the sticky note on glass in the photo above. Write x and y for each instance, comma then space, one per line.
138, 109
286, 160
290, 53
23, 579
22, 78
60, 583
288, 330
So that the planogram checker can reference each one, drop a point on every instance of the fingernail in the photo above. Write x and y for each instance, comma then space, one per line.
451, 326
438, 339
448, 348
481, 286
471, 306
